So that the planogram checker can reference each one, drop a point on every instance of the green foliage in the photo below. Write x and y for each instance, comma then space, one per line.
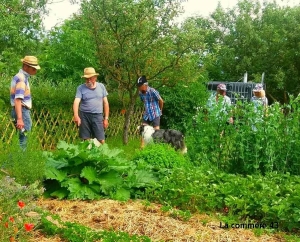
86, 172
246, 37
161, 156
25, 166
239, 148
20, 31
67, 51
255, 198
180, 104
53, 225
47, 95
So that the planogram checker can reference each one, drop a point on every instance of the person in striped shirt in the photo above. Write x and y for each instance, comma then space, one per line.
153, 104
20, 97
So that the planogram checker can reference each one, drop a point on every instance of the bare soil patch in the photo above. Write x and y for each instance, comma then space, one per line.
134, 217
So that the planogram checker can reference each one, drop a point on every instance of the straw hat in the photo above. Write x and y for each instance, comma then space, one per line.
89, 72
31, 61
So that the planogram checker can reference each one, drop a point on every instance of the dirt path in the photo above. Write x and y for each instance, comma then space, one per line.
134, 217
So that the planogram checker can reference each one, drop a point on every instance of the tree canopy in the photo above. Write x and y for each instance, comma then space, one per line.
20, 30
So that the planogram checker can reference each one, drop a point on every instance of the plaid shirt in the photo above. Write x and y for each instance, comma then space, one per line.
150, 100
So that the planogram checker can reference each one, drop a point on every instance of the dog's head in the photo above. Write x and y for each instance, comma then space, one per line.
145, 130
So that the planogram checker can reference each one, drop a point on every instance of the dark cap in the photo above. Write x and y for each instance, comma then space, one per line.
141, 81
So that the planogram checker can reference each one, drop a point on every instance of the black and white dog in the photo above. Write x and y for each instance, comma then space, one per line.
170, 136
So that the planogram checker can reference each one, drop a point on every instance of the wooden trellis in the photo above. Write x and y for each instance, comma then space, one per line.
50, 127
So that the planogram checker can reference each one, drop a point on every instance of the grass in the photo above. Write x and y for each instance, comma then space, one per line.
129, 150
25, 166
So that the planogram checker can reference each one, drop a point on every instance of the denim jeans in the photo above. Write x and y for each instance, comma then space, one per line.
27, 125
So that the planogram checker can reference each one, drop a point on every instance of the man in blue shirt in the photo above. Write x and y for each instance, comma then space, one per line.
91, 107
153, 104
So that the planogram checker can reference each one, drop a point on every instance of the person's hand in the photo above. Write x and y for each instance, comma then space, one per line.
20, 124
77, 120
105, 123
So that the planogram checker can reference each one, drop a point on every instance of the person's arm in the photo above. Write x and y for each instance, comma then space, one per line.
76, 119
106, 112
18, 109
161, 104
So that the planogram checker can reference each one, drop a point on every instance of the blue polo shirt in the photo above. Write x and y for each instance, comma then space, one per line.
91, 99
150, 100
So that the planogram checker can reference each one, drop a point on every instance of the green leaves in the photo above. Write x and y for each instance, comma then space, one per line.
76, 172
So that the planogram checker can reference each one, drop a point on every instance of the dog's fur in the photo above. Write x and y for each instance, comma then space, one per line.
170, 136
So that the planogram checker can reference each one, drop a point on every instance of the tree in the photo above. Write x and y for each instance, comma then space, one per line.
255, 38
20, 30
136, 38
67, 50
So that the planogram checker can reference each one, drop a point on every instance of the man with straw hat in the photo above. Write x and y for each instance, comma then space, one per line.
91, 107
20, 97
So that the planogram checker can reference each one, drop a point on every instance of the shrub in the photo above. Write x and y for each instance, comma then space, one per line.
161, 156
180, 104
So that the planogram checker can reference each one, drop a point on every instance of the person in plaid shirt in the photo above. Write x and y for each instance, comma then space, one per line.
153, 104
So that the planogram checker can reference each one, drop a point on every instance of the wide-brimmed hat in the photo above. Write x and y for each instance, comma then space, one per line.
141, 81
221, 87
258, 88
31, 61
89, 72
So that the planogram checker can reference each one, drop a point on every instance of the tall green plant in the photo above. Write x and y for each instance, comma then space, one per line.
248, 146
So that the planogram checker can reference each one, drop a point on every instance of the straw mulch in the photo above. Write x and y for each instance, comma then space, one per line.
134, 217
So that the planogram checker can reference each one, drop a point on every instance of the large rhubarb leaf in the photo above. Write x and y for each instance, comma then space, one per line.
110, 153
52, 173
69, 148
109, 180
61, 193
56, 163
89, 173
78, 190
122, 194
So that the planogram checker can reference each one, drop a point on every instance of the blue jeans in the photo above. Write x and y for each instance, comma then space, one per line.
27, 125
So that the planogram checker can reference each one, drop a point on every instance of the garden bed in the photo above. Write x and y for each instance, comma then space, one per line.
141, 218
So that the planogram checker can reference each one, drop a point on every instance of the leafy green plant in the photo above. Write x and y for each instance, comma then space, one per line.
82, 172
255, 197
181, 102
161, 156
239, 148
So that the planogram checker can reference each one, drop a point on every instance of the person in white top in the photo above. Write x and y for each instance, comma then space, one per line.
260, 103
226, 102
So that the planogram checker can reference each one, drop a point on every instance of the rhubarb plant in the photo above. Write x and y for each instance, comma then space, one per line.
85, 171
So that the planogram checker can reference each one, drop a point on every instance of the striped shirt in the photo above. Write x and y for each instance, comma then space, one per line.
150, 100
19, 88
